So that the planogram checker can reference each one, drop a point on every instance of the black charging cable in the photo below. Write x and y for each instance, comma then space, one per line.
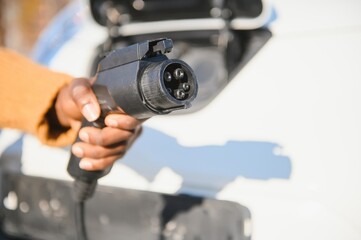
81, 231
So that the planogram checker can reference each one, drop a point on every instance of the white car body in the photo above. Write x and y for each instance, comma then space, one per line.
282, 139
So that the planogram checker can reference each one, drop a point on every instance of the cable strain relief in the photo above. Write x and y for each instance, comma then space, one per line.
83, 190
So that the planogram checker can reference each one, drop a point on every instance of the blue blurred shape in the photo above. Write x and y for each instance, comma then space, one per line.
249, 159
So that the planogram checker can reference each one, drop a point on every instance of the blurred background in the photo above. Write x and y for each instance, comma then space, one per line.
277, 127
23, 21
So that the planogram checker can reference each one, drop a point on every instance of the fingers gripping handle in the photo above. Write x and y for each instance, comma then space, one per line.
86, 181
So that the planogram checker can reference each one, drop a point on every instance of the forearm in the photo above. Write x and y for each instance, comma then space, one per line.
27, 94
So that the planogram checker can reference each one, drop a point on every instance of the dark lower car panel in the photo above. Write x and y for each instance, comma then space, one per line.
40, 208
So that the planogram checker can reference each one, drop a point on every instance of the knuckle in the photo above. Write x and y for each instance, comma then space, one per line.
121, 151
128, 135
99, 164
97, 153
130, 124
102, 164
80, 90
127, 122
99, 140
105, 162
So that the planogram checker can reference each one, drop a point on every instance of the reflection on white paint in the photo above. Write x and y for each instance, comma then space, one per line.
166, 181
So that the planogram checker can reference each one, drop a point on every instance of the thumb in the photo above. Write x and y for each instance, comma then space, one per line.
85, 99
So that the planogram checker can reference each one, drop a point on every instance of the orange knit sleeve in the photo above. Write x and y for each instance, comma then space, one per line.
27, 93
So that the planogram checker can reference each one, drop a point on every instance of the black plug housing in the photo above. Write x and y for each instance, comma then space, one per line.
141, 81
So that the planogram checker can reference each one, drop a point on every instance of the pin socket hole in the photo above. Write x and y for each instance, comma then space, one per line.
176, 81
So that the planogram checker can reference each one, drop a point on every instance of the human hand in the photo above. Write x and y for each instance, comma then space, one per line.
98, 148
